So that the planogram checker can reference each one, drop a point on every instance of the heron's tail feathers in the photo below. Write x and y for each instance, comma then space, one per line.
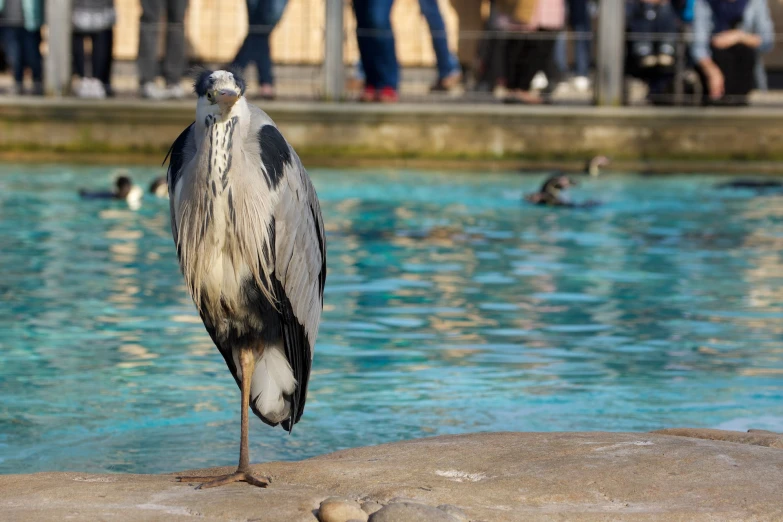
272, 386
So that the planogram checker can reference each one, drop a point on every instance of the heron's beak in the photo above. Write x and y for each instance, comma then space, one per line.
226, 98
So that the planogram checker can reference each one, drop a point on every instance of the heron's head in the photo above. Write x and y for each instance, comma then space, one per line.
595, 164
218, 93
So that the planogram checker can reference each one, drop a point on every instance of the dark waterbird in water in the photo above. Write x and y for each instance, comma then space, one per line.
250, 241
765, 185
551, 192
159, 187
124, 189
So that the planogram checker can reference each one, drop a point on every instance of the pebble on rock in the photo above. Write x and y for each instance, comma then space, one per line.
339, 509
407, 512
371, 507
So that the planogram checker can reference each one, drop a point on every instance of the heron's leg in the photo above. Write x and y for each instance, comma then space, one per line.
247, 361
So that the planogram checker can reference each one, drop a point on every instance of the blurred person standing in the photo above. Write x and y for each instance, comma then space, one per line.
93, 19
449, 70
174, 59
529, 51
647, 18
375, 37
22, 20
729, 37
262, 17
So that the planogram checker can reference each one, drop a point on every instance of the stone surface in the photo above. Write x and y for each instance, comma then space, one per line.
440, 131
339, 509
769, 439
371, 507
454, 511
411, 512
491, 476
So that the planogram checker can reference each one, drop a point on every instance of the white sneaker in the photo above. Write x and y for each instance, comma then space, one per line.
98, 90
539, 82
81, 90
175, 92
581, 83
151, 91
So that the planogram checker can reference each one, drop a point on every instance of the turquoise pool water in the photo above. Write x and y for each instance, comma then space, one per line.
450, 307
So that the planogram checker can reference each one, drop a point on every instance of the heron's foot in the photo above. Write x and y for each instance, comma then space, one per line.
237, 476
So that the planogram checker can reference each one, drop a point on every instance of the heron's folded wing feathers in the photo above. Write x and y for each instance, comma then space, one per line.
300, 272
181, 152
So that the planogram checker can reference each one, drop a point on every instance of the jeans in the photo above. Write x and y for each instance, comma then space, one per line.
579, 20
102, 42
376, 43
653, 18
447, 62
262, 17
22, 49
174, 60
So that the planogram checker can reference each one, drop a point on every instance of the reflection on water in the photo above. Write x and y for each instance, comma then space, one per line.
449, 307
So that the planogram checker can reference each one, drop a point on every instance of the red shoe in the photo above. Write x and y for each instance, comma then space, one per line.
368, 94
388, 95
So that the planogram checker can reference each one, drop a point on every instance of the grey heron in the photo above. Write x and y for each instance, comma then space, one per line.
250, 241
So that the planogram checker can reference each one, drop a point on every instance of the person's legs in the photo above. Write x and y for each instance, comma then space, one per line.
270, 12
102, 44
386, 55
447, 64
248, 51
666, 27
174, 61
579, 19
642, 21
515, 62
148, 40
736, 64
742, 80
32, 58
470, 27
77, 51
366, 42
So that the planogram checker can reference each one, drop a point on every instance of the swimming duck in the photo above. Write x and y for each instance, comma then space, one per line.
124, 189
160, 187
551, 193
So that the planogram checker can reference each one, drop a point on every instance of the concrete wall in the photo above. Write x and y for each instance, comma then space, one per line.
438, 132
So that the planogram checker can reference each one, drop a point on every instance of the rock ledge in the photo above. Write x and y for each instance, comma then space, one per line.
485, 477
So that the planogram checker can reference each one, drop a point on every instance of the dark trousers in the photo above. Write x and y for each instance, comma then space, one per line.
262, 17
737, 64
23, 49
376, 42
174, 59
525, 57
647, 18
101, 59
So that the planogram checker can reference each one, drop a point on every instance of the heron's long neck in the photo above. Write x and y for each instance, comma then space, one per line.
220, 138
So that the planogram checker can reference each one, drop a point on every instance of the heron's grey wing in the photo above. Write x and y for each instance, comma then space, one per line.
299, 257
181, 152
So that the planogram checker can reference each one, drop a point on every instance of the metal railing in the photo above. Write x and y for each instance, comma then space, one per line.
315, 53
